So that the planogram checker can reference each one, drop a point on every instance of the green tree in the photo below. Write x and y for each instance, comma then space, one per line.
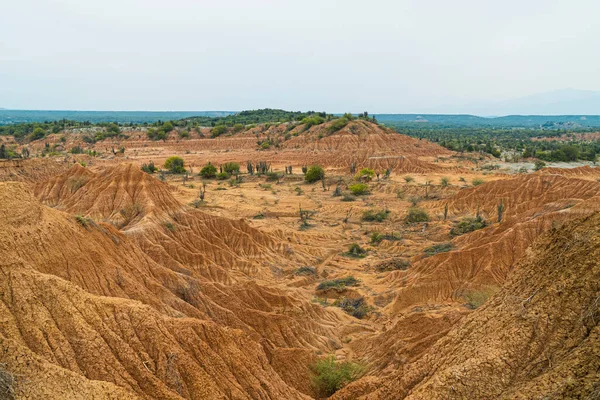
218, 130
314, 173
209, 171
175, 165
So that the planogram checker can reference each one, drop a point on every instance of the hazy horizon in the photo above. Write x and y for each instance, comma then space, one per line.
387, 57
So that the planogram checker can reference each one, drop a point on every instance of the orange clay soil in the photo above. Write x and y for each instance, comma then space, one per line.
118, 284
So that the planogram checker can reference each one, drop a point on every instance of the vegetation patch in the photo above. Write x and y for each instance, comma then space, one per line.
395, 264
175, 165
209, 171
329, 375
358, 189
416, 215
355, 251
377, 237
477, 181
358, 308
468, 224
476, 298
375, 215
232, 168
338, 284
365, 174
306, 271
438, 248
314, 173
149, 168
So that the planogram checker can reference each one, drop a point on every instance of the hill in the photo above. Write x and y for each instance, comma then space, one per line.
538, 336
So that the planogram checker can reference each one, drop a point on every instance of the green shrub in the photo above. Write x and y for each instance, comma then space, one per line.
222, 176
354, 250
83, 221
306, 271
167, 127
375, 216
539, 164
409, 179
314, 173
231, 168
445, 181
477, 181
311, 121
338, 284
238, 128
415, 215
184, 134
218, 130
438, 248
175, 165
329, 376
395, 264
149, 168
337, 125
359, 189
208, 171
468, 224
358, 308
366, 174
376, 238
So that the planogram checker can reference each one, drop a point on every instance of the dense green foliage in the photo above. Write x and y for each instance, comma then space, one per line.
209, 171
359, 189
256, 117
330, 375
365, 174
231, 168
174, 165
496, 140
511, 137
314, 173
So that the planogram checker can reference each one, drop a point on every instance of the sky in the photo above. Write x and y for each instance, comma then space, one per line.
382, 56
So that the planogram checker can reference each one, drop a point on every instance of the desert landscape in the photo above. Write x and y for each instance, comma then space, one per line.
335, 258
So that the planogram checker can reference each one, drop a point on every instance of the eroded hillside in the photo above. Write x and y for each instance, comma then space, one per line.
441, 279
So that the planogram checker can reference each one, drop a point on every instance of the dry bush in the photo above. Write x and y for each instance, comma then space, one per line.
8, 384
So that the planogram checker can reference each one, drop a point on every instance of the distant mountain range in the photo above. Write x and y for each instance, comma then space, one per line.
557, 102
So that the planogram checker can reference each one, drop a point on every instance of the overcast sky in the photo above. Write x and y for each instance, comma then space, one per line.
333, 55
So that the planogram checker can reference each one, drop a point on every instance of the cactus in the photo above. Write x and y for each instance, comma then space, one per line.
202, 192
500, 211
353, 168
